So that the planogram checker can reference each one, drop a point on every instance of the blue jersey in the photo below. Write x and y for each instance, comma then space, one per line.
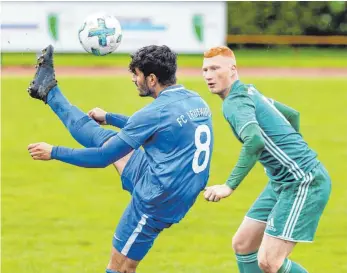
175, 131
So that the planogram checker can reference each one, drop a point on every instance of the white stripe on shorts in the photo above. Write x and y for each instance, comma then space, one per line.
297, 206
134, 235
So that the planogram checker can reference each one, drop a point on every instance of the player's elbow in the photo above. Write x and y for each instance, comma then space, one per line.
257, 144
107, 162
294, 120
104, 165
295, 115
100, 164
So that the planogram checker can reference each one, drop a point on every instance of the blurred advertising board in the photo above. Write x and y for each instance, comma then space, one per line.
187, 27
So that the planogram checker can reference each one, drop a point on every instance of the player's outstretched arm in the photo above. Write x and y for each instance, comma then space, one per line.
289, 113
112, 151
253, 145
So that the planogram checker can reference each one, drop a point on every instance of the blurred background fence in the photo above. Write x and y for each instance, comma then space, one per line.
288, 22
188, 27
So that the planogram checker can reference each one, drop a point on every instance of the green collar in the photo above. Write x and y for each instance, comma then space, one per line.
235, 85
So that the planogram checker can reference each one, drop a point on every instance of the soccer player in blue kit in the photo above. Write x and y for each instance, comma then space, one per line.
164, 178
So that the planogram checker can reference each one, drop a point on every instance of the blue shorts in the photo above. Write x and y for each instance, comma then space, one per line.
136, 231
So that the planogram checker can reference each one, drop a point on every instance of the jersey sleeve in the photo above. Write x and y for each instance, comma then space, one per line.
116, 120
100, 157
239, 111
289, 113
140, 127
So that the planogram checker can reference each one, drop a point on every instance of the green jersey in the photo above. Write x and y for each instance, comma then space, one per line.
286, 156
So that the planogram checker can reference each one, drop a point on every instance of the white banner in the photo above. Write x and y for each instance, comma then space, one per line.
186, 27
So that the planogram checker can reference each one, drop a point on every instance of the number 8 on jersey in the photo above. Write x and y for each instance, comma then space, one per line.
201, 147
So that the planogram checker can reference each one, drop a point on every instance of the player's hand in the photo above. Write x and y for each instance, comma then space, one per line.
98, 115
217, 192
40, 151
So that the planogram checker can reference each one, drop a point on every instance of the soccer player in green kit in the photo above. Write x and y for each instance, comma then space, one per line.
289, 208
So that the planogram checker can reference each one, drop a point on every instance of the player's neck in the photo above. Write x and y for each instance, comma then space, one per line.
227, 90
224, 93
159, 88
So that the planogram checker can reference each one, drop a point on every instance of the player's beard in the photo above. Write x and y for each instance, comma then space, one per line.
144, 90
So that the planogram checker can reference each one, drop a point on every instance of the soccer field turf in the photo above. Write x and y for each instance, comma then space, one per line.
60, 219
271, 57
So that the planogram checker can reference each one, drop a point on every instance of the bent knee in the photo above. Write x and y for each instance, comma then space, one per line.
123, 270
129, 267
269, 265
121, 264
126, 266
243, 244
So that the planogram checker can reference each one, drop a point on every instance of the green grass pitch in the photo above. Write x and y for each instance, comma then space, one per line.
271, 57
60, 219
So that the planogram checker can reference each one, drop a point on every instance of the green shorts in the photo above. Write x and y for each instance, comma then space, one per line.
292, 211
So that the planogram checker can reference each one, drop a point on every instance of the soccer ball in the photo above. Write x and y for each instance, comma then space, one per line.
100, 34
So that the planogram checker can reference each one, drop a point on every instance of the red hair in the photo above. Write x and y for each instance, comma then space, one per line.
219, 50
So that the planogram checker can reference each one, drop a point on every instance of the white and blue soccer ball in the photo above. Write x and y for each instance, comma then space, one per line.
100, 34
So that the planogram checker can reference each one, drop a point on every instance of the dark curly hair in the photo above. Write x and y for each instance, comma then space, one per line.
159, 60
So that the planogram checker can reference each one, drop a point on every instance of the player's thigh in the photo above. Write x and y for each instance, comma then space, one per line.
136, 232
250, 233
263, 205
272, 253
248, 237
300, 205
